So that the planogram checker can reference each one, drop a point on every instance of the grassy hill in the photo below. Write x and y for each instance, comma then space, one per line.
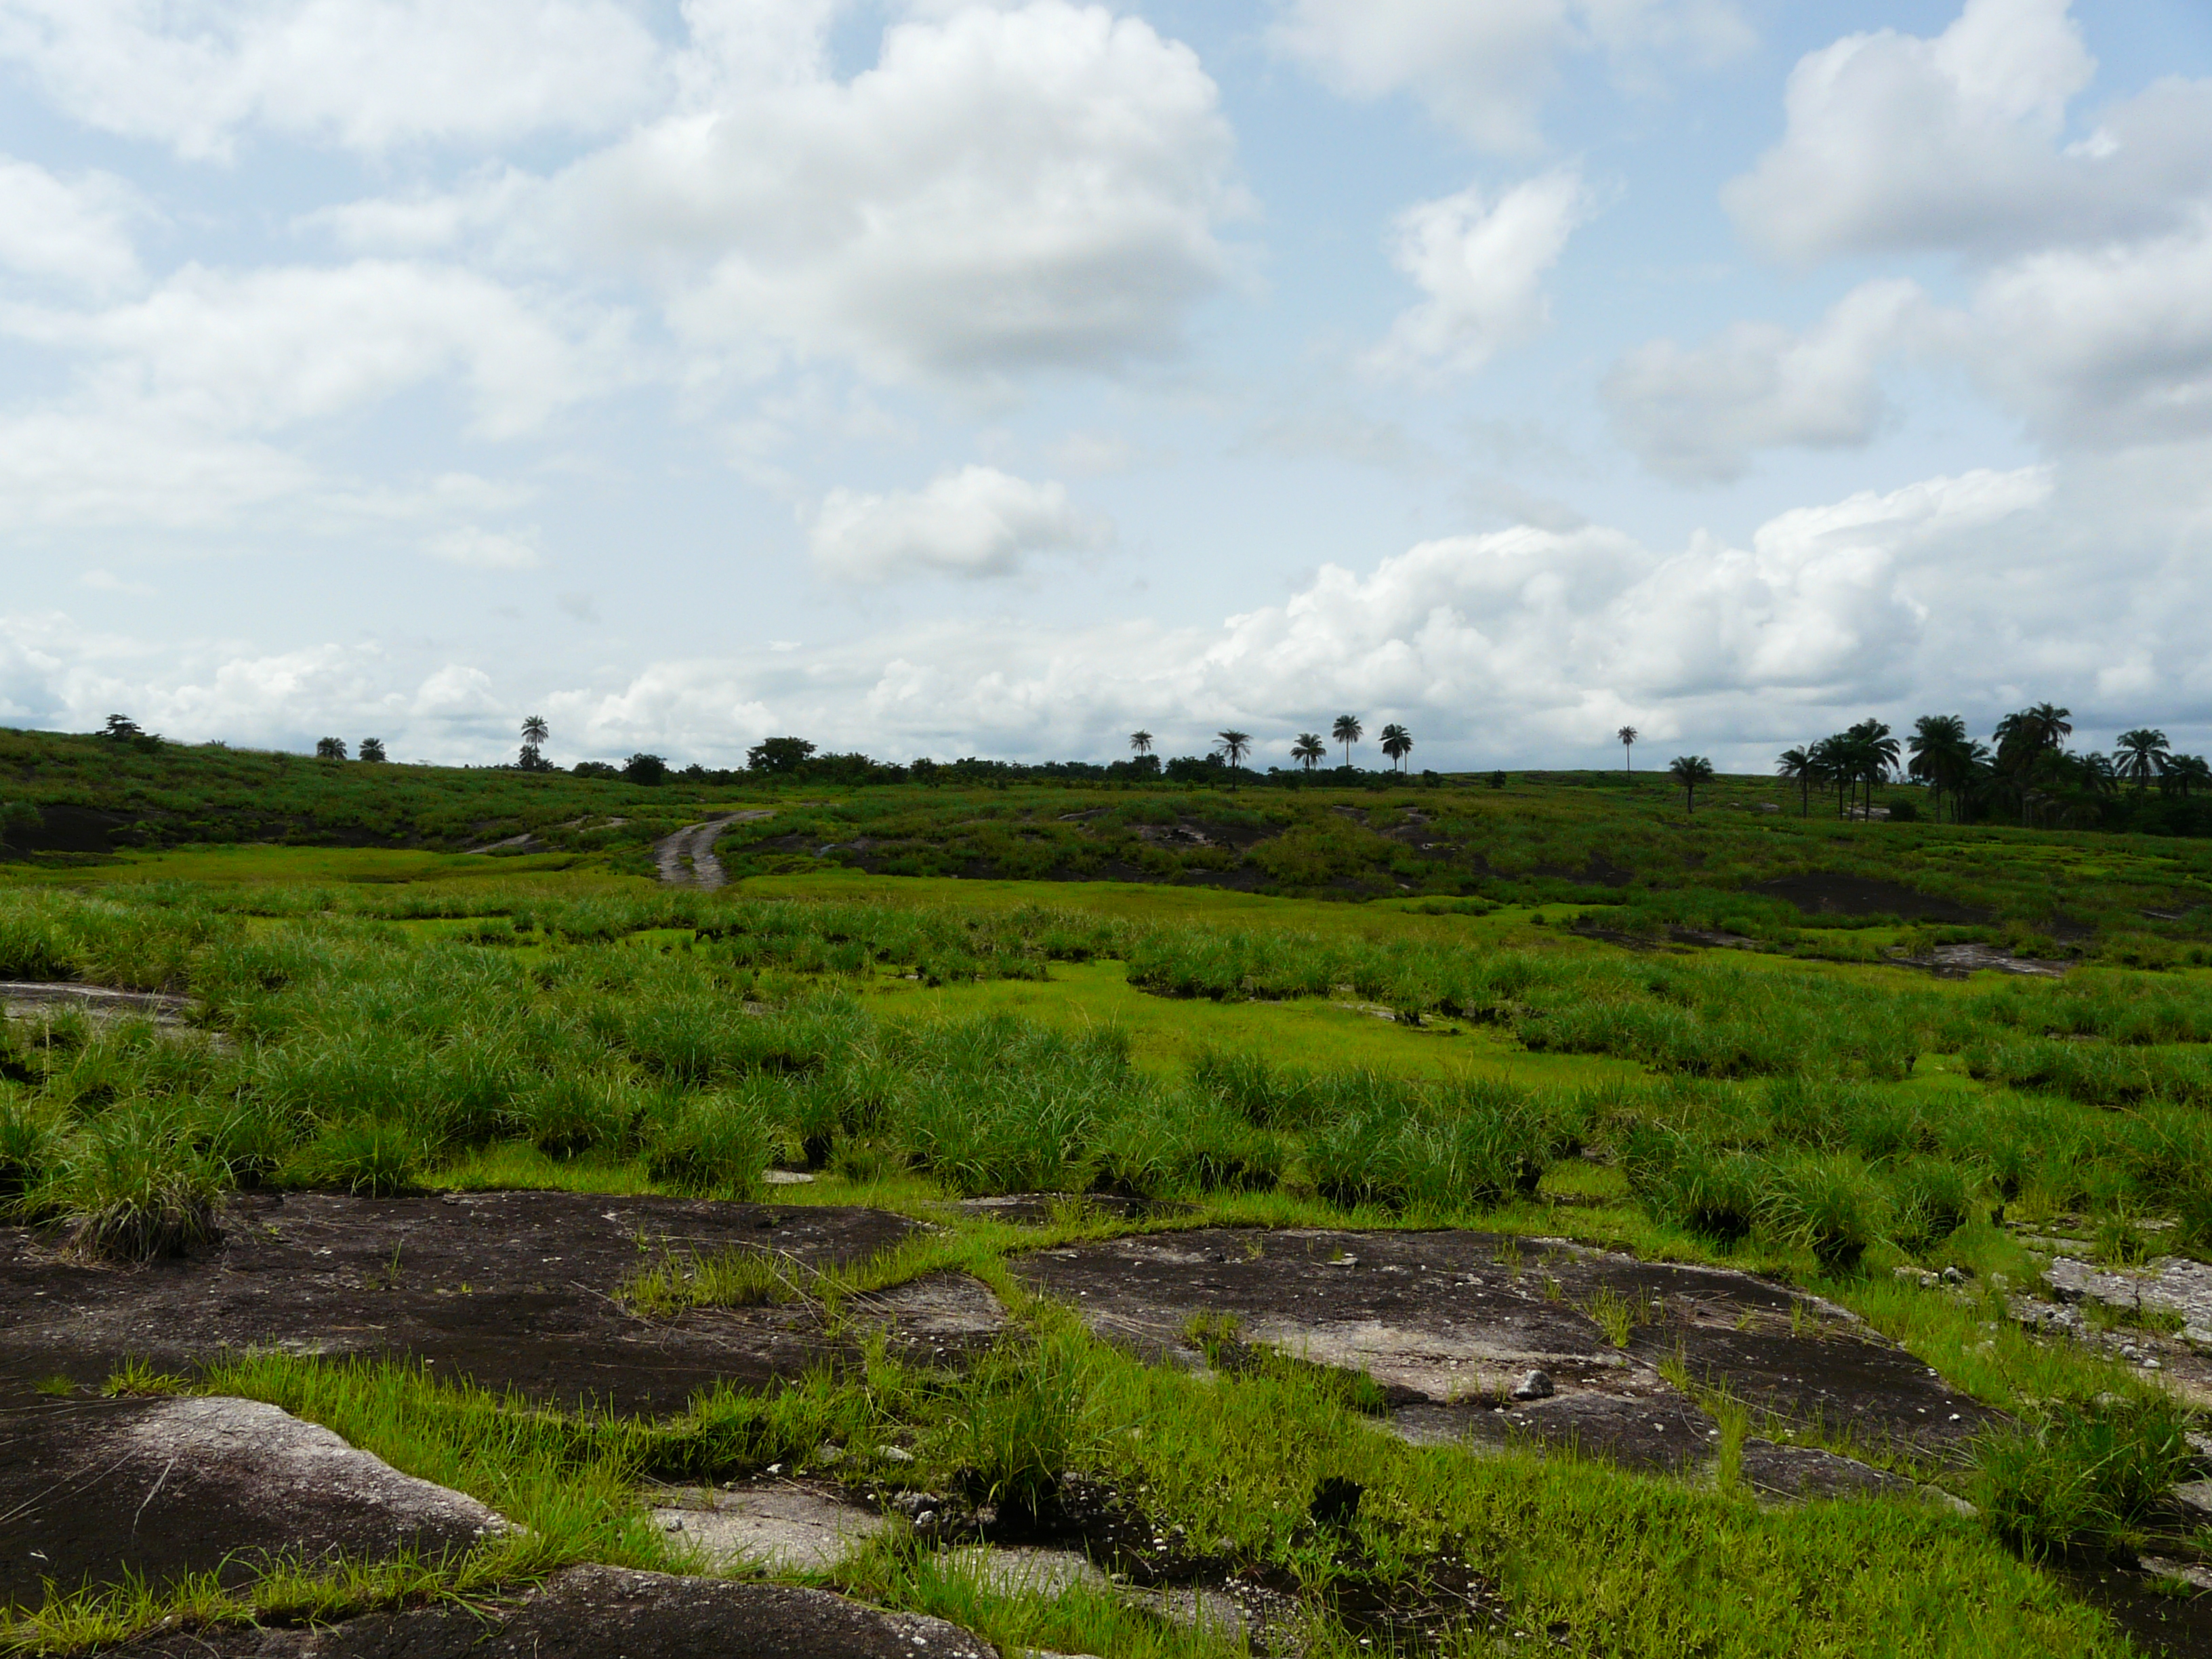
66, 794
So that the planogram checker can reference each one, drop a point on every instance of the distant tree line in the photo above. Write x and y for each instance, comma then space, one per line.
2024, 774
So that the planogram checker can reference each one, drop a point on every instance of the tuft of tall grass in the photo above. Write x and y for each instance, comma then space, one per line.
374, 1156
129, 1187
2075, 1475
1827, 1203
714, 1146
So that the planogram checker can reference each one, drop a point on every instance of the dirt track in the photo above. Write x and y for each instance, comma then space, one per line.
687, 859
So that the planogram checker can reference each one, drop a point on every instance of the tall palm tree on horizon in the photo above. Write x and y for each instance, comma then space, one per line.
1346, 731
1690, 771
1628, 735
535, 731
1397, 743
1309, 751
1943, 757
1141, 742
2143, 753
1235, 745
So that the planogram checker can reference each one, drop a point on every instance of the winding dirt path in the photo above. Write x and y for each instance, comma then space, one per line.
687, 859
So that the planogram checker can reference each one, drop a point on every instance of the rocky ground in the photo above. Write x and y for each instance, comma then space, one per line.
1469, 1338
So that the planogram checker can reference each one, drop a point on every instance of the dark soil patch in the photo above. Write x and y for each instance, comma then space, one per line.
1448, 1322
1597, 873
1828, 894
514, 1289
92, 1489
604, 1613
2174, 1627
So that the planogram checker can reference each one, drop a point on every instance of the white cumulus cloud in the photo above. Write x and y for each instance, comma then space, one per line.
369, 75
1697, 413
978, 521
1006, 189
1481, 262
70, 231
1896, 141
262, 349
1484, 66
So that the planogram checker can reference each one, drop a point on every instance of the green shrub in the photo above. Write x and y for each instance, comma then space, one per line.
712, 1146
2075, 1475
28, 1144
1929, 1202
1823, 1202
574, 1112
129, 1187
369, 1156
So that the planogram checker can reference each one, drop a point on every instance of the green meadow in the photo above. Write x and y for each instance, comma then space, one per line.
1561, 1008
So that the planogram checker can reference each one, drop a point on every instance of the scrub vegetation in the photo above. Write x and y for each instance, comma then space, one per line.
1591, 1016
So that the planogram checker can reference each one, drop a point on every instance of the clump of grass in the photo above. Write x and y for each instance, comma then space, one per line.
28, 1140
1825, 1203
1029, 1415
1615, 1315
129, 1187
2081, 1475
1929, 1202
371, 1157
713, 1146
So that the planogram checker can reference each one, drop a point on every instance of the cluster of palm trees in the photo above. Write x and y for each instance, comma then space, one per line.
1309, 751
2026, 768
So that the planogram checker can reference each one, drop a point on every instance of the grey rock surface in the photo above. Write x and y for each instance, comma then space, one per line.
2171, 1284
163, 1487
1449, 1323
780, 1526
515, 1289
604, 1613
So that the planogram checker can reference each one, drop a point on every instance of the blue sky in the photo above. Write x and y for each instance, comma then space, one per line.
944, 378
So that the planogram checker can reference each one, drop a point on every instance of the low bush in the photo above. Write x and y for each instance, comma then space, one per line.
2081, 1475
374, 1156
710, 1145
1827, 1203
129, 1187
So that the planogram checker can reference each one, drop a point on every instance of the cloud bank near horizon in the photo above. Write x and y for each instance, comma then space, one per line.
968, 376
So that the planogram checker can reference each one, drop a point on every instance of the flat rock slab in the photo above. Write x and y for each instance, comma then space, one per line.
512, 1289
34, 999
938, 1318
2171, 1284
1449, 1321
92, 1489
780, 1526
604, 1613
1027, 1569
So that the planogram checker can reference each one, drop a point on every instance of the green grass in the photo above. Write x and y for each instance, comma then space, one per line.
910, 1041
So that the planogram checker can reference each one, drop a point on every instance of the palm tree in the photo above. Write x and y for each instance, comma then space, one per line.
330, 749
2025, 741
1690, 771
1831, 759
1873, 756
1941, 753
1347, 732
2142, 755
1628, 735
1798, 766
1235, 745
1141, 742
2186, 772
1309, 751
371, 748
1397, 743
535, 731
